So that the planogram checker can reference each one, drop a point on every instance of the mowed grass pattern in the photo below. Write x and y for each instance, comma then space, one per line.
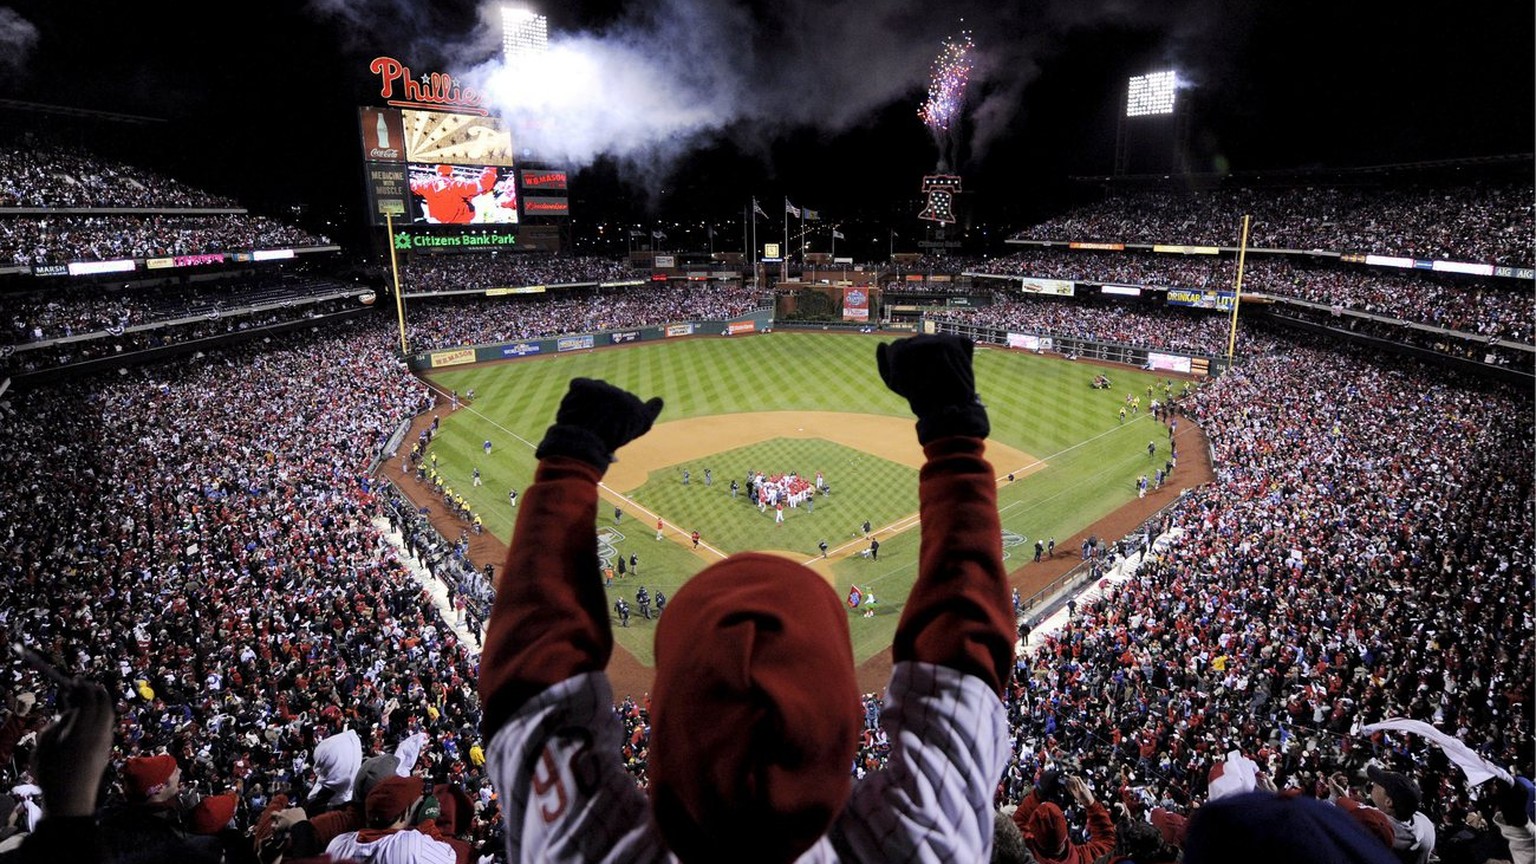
1040, 405
863, 487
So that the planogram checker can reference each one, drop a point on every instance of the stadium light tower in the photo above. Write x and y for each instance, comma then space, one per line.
1148, 98
524, 33
1151, 94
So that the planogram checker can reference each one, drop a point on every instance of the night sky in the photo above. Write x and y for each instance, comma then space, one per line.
814, 100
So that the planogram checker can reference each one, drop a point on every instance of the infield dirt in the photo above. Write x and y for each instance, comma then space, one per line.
891, 438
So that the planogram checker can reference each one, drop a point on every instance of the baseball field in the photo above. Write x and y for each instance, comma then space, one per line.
801, 403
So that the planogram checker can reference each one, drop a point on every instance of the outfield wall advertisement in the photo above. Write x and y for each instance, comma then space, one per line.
456, 357
1168, 362
758, 321
855, 304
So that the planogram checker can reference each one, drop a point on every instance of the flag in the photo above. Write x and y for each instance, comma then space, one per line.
808, 213
838, 235
757, 209
1233, 776
657, 235
791, 209
1471, 764
855, 596
635, 233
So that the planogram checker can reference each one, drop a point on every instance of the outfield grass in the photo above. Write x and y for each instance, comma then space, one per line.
1042, 406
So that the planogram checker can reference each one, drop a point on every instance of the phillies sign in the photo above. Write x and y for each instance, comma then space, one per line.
428, 90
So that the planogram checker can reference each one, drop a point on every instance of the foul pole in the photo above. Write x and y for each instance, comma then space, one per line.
1237, 297
394, 268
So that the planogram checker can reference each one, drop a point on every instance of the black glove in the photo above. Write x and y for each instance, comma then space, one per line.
595, 419
934, 373
1050, 787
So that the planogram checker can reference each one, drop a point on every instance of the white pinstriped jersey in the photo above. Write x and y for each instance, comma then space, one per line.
565, 794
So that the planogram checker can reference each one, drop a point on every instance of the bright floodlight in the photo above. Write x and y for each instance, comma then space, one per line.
1151, 94
524, 33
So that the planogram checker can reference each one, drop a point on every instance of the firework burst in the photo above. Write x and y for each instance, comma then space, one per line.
946, 85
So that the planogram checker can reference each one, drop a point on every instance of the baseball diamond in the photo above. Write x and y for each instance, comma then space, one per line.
781, 402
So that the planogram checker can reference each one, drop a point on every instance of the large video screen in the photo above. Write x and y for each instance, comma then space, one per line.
440, 168
460, 139
443, 194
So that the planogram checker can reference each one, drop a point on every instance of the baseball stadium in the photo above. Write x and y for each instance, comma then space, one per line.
569, 490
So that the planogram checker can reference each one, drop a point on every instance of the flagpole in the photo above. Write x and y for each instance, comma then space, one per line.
784, 253
802, 239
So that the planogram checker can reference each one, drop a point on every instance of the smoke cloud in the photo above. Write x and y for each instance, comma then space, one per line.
18, 37
669, 76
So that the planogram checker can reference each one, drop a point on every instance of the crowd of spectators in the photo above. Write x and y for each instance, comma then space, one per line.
30, 240
212, 554
480, 272
63, 311
1488, 306
1491, 221
37, 175
1194, 331
1362, 555
453, 322
212, 325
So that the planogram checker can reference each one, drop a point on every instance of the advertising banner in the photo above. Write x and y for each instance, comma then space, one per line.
666, 260
855, 304
1057, 287
388, 190
1201, 299
383, 135
573, 343
626, 336
542, 181
456, 357
50, 270
521, 289
521, 349
1106, 247
1024, 341
679, 330
740, 327
545, 206
1168, 362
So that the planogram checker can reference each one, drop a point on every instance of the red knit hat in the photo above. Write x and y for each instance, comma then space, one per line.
1376, 822
212, 813
455, 808
390, 799
1170, 825
144, 775
755, 717
1045, 832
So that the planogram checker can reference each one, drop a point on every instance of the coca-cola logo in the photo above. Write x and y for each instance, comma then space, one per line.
379, 154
